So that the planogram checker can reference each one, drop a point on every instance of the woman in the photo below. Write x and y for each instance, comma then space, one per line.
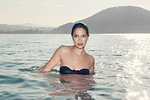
73, 59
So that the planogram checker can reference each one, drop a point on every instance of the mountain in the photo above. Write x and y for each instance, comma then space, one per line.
34, 25
25, 28
127, 19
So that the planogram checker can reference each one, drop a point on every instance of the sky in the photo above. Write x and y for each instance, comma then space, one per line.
54, 13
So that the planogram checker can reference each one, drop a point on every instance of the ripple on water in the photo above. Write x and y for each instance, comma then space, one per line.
12, 64
117, 55
5, 95
10, 79
103, 89
11, 53
32, 68
108, 97
118, 76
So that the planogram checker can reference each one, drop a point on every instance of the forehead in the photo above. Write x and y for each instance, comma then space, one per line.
79, 31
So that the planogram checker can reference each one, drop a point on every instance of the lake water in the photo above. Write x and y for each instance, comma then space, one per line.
122, 68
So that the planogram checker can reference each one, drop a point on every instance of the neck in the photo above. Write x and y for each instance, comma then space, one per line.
78, 51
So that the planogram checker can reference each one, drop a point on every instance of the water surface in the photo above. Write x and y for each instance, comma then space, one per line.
121, 66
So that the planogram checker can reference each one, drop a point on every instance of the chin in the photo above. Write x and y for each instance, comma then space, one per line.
80, 47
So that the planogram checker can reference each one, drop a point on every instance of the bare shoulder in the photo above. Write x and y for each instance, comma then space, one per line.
63, 49
91, 58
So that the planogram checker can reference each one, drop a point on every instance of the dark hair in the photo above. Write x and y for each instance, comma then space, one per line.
80, 25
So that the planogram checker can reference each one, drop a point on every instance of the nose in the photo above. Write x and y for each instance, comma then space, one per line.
80, 39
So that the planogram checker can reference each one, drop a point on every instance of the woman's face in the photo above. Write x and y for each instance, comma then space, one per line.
80, 38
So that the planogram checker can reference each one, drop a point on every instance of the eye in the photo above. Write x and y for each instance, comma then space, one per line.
83, 35
75, 36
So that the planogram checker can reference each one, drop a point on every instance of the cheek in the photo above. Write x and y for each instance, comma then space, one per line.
85, 39
74, 40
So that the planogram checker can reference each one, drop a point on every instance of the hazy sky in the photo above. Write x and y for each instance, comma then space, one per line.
57, 12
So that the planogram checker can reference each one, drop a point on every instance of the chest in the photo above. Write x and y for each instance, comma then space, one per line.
75, 61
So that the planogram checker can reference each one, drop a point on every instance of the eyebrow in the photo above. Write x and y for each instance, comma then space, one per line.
77, 35
82, 34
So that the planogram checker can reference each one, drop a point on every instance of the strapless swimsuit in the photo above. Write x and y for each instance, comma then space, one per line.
67, 70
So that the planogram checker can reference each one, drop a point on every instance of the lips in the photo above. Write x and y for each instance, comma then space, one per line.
80, 44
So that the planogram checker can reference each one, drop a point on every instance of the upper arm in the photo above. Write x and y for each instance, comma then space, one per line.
92, 66
55, 59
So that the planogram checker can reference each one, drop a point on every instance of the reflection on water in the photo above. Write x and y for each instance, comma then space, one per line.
122, 68
72, 84
137, 67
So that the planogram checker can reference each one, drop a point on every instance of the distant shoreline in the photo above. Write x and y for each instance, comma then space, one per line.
90, 33
122, 20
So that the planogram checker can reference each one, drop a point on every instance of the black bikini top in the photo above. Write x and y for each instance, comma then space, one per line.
67, 70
